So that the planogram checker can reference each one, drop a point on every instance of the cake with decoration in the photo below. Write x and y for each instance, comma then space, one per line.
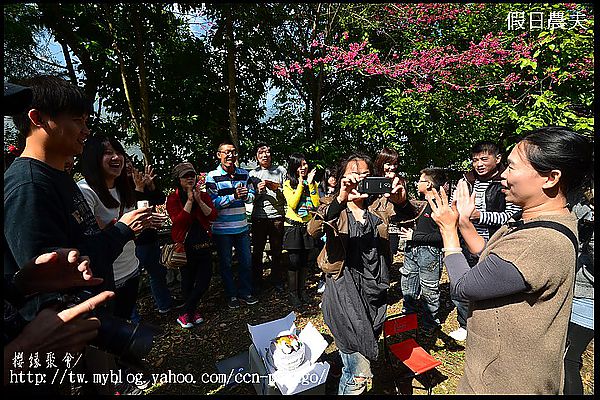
286, 352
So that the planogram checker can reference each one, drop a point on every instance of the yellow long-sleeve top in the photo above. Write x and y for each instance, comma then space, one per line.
301, 200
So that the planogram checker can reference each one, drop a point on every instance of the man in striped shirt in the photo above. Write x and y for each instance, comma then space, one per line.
491, 209
229, 189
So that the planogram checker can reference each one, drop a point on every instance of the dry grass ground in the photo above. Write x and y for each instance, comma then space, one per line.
225, 334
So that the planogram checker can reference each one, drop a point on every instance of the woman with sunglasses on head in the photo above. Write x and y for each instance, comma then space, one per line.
521, 291
191, 212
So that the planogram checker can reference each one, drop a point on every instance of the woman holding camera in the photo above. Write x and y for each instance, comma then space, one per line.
521, 290
301, 195
191, 211
355, 298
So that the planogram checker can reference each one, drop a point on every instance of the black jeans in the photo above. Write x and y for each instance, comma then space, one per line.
195, 277
394, 243
578, 339
261, 229
298, 259
126, 297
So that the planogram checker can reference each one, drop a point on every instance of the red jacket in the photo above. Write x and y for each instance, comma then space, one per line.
182, 220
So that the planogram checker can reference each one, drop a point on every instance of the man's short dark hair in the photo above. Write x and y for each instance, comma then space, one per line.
485, 147
53, 95
225, 142
259, 145
437, 176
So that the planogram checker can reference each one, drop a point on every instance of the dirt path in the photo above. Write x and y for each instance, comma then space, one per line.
225, 334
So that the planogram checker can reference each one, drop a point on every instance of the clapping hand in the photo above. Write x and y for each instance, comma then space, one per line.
445, 216
197, 196
311, 176
405, 233
465, 203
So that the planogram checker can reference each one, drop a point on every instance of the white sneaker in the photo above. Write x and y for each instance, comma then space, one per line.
459, 335
321, 287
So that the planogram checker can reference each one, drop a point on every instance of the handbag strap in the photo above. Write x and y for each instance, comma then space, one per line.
519, 225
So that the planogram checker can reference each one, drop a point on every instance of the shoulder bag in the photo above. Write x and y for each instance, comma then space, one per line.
172, 255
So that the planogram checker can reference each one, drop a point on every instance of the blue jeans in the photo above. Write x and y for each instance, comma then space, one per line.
421, 274
241, 242
149, 256
356, 373
462, 312
462, 306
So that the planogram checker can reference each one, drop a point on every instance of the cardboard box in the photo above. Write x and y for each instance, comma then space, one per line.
309, 377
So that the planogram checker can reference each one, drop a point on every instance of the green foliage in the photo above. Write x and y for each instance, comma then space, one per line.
438, 127
24, 52
187, 78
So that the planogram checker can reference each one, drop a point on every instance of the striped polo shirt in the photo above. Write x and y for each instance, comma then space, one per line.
231, 218
488, 218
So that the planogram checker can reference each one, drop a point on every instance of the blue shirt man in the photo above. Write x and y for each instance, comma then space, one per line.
229, 189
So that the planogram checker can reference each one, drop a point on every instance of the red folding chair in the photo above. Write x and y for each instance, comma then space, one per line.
408, 351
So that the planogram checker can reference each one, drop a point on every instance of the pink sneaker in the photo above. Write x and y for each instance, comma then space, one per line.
184, 321
198, 318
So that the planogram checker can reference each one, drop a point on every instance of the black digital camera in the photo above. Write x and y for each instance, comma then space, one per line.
375, 185
128, 341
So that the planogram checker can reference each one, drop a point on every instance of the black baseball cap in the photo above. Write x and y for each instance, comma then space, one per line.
16, 98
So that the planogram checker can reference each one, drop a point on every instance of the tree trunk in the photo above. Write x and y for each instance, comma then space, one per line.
317, 118
68, 60
124, 79
307, 120
53, 17
144, 131
229, 39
